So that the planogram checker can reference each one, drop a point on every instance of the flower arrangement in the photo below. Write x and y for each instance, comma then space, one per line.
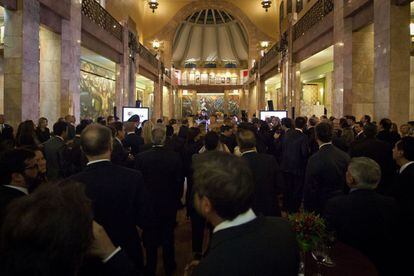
309, 229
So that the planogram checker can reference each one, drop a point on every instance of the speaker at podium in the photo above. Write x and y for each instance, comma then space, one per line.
270, 105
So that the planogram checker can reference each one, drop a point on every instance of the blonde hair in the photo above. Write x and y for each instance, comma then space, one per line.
147, 132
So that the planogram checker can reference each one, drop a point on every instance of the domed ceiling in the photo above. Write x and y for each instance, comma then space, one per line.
210, 36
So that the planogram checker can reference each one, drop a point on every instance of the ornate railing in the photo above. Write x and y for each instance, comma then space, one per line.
146, 55
95, 12
315, 14
270, 55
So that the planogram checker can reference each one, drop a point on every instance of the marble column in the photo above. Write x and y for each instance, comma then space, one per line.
50, 75
126, 62
157, 108
21, 62
362, 72
132, 94
328, 92
260, 96
119, 88
392, 61
296, 89
171, 103
342, 95
70, 61
166, 102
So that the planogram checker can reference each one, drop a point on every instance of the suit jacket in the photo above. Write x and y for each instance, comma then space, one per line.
268, 183
264, 246
134, 142
403, 191
325, 177
368, 222
380, 152
7, 195
388, 137
74, 157
54, 150
313, 144
120, 203
162, 172
71, 131
42, 136
295, 152
119, 154
6, 133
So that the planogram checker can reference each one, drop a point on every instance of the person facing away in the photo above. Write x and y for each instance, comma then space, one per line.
54, 150
241, 243
57, 235
18, 173
120, 202
365, 219
42, 131
295, 153
162, 171
325, 172
267, 176
379, 151
132, 141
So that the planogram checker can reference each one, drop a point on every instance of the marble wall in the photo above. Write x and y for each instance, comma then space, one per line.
50, 77
412, 88
1, 85
363, 71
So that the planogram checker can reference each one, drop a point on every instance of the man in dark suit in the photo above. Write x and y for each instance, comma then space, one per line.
295, 153
132, 140
359, 131
325, 173
162, 171
241, 243
120, 155
228, 138
403, 188
120, 202
379, 151
266, 173
73, 154
18, 173
71, 121
310, 132
54, 150
6, 134
364, 219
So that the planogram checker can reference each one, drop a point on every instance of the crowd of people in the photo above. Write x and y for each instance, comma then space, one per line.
72, 198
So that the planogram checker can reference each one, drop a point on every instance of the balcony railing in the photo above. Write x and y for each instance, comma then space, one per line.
312, 17
96, 13
146, 55
270, 55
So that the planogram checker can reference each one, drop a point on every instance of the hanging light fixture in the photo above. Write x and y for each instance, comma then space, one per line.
153, 4
266, 4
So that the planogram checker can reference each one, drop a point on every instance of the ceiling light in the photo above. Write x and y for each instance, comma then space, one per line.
264, 44
412, 28
156, 44
266, 4
153, 4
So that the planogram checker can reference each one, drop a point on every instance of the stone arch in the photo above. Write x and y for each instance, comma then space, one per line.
253, 33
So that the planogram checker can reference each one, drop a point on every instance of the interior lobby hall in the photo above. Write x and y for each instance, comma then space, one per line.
211, 71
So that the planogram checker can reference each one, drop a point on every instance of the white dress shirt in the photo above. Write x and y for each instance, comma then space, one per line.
97, 161
21, 189
248, 151
325, 144
403, 167
239, 220
301, 130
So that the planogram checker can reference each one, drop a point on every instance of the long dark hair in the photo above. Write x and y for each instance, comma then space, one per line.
26, 134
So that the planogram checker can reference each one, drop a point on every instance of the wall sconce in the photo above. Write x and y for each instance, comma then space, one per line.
264, 44
266, 4
153, 4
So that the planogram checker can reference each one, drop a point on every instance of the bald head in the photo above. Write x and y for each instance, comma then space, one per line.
96, 140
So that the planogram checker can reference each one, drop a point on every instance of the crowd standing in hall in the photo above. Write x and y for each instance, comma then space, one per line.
102, 181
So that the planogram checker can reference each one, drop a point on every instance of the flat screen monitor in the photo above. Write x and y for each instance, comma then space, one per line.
277, 113
128, 112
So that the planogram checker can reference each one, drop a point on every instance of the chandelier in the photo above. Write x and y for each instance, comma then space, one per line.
153, 4
266, 4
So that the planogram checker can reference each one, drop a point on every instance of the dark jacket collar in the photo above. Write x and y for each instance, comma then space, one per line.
99, 165
234, 232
